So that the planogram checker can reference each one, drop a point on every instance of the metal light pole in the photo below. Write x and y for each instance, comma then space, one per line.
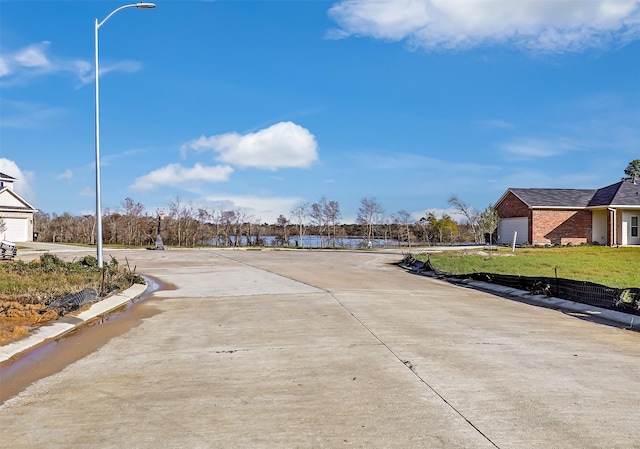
98, 204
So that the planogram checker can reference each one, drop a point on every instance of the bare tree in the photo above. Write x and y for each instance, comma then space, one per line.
370, 214
300, 212
403, 219
132, 217
233, 223
204, 227
332, 215
189, 218
225, 231
423, 230
319, 219
217, 222
42, 225
83, 228
182, 224
282, 223
110, 229
469, 214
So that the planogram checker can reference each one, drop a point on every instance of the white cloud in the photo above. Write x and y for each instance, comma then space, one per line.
176, 175
27, 61
261, 209
534, 148
407, 161
66, 175
546, 26
18, 67
87, 191
33, 56
122, 66
24, 115
24, 179
4, 67
283, 145
496, 123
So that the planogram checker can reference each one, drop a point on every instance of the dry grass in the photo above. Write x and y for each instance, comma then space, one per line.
27, 290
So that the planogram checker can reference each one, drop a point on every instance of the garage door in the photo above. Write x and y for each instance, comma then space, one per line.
17, 229
508, 226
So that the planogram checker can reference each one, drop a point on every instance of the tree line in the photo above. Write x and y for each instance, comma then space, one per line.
185, 225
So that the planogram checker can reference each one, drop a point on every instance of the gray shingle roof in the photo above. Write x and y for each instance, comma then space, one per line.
623, 193
570, 198
4, 176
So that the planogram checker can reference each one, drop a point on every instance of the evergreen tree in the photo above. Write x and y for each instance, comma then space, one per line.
633, 171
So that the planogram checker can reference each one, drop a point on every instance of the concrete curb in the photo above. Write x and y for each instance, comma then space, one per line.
70, 323
628, 320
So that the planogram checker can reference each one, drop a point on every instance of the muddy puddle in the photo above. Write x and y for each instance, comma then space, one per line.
53, 356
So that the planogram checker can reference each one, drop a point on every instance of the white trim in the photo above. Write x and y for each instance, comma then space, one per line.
18, 197
558, 207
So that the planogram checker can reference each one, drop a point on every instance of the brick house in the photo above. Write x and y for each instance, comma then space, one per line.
608, 216
16, 213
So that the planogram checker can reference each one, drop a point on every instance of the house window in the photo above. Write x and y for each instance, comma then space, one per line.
634, 226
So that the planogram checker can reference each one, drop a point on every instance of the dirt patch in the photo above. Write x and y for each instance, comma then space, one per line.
17, 319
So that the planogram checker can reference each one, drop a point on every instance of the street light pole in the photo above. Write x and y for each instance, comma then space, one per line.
98, 202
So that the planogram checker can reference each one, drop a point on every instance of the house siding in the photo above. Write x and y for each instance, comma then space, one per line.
561, 227
512, 206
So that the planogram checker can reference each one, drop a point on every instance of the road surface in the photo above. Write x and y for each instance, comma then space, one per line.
327, 349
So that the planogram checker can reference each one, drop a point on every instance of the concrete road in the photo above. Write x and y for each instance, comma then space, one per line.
282, 349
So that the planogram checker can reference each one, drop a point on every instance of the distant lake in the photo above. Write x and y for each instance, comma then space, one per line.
315, 241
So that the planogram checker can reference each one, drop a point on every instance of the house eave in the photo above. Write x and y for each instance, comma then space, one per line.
17, 209
614, 206
558, 207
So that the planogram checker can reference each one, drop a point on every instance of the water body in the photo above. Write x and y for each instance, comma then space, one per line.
316, 241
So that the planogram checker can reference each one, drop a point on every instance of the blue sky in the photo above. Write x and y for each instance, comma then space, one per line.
259, 105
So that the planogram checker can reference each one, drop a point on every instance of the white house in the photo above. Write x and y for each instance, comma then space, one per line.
16, 213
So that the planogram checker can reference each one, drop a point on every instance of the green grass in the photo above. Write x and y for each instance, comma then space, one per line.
614, 267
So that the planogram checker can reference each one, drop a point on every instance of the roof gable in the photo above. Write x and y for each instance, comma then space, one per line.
10, 200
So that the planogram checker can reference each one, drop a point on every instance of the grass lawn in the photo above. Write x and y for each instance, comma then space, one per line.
614, 267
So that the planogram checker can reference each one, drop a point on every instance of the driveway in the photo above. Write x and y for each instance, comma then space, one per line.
287, 349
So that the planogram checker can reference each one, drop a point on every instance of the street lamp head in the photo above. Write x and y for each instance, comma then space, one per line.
145, 5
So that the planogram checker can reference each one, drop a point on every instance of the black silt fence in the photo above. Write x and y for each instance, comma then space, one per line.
621, 299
